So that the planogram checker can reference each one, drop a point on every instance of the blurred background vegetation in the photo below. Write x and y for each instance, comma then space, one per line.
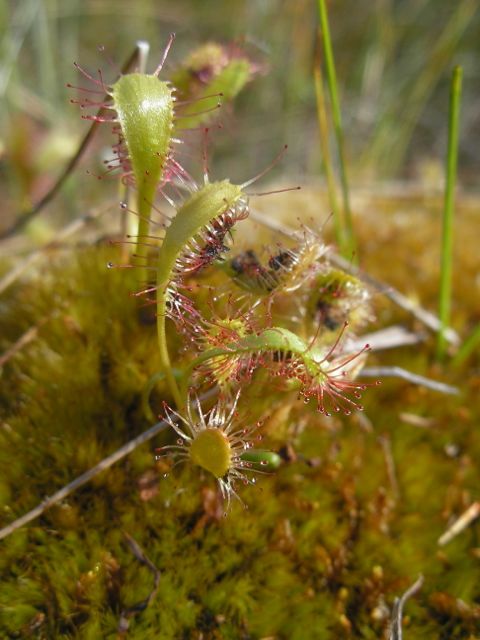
393, 59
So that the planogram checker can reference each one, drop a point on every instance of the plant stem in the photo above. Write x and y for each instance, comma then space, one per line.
325, 147
445, 299
140, 257
337, 120
396, 124
162, 343
200, 359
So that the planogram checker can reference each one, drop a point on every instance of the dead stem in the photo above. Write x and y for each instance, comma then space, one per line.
388, 338
397, 612
104, 464
414, 378
461, 523
421, 422
27, 337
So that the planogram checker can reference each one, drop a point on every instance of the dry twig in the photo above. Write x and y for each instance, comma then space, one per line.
461, 523
106, 463
414, 378
396, 622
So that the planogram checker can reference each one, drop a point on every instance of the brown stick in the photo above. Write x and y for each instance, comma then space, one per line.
106, 463
25, 338
396, 624
467, 517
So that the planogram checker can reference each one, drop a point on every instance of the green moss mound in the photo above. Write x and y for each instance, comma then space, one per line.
327, 542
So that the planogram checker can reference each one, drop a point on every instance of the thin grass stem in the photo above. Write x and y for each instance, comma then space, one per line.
445, 299
337, 120
325, 149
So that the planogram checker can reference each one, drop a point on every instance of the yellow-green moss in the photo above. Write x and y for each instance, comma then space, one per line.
325, 541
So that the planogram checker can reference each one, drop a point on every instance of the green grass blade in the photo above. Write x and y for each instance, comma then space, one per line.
448, 210
325, 149
337, 120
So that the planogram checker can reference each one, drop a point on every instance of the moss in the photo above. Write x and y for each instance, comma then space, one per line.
326, 541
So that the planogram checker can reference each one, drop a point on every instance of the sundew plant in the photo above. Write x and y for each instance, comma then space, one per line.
244, 323
201, 433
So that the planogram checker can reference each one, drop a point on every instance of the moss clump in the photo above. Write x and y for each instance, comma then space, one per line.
328, 541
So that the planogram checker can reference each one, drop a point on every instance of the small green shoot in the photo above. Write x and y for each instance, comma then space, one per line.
445, 299
337, 120
325, 147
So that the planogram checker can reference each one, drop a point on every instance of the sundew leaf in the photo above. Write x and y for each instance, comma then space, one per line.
144, 106
328, 378
202, 207
273, 340
222, 88
212, 71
